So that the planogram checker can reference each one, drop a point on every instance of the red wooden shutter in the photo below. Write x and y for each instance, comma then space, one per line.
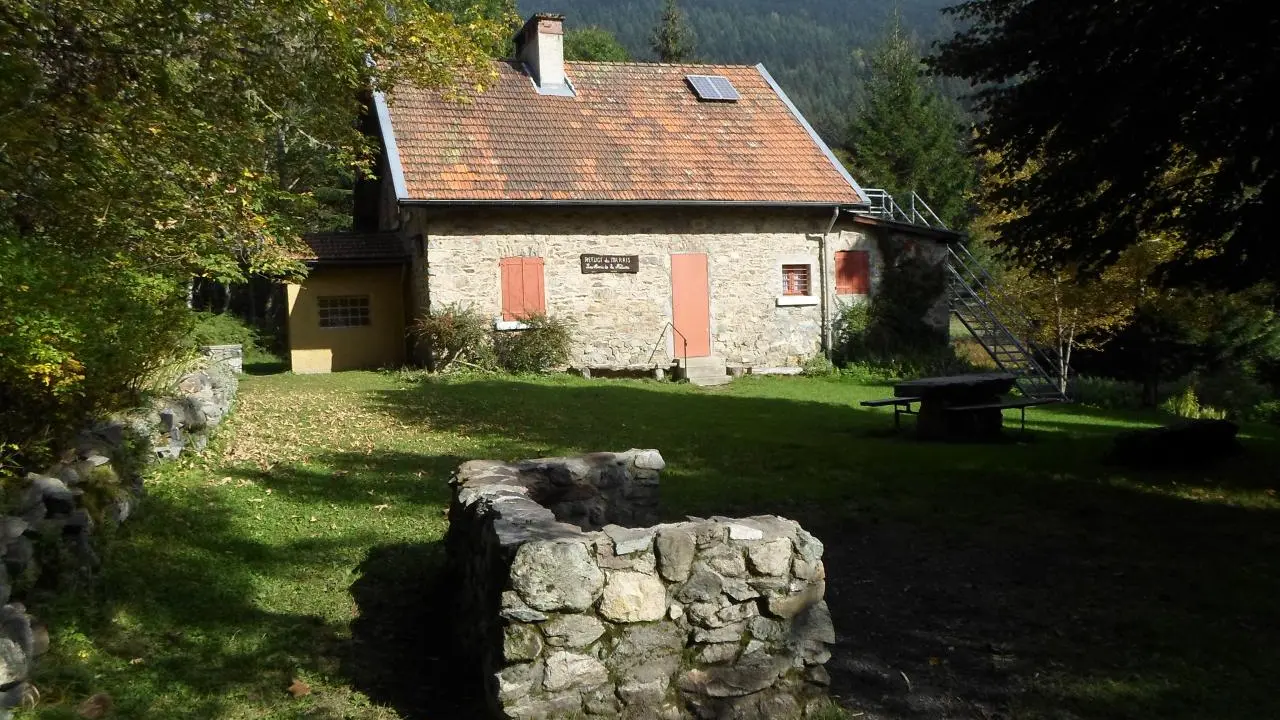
853, 272
535, 302
512, 288
523, 292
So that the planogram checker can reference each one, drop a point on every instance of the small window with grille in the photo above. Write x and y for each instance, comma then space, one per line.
796, 280
344, 311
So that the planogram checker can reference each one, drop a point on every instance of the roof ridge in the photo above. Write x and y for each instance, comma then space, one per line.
639, 63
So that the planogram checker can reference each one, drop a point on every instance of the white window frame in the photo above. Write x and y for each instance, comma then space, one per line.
812, 298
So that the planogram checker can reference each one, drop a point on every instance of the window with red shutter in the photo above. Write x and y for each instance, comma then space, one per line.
523, 288
853, 272
795, 280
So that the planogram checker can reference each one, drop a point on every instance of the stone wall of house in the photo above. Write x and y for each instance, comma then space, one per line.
48, 522
570, 604
621, 317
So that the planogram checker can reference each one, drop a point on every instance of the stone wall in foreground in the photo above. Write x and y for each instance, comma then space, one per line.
49, 519
570, 604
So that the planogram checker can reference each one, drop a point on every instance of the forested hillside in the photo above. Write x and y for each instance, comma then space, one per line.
810, 46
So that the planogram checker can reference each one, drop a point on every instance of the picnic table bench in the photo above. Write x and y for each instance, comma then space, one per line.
957, 407
1010, 404
901, 406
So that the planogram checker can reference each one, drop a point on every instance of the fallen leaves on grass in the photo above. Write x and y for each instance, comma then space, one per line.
95, 707
298, 688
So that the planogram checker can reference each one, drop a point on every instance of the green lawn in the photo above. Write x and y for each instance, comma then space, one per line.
1024, 579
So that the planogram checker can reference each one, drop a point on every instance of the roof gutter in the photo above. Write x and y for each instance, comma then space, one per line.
817, 139
631, 203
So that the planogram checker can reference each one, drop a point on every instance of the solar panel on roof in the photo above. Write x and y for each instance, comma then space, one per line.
713, 88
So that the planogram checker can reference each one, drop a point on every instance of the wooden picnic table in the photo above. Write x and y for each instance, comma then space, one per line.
947, 405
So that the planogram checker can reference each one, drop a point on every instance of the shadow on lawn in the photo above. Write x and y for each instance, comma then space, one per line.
965, 581
400, 652
173, 618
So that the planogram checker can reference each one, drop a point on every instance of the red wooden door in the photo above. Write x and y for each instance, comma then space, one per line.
691, 304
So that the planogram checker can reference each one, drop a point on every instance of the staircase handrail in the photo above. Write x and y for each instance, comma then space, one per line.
988, 287
883, 204
684, 350
988, 284
917, 200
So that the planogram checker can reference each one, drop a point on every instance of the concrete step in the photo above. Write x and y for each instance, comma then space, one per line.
710, 381
704, 371
710, 361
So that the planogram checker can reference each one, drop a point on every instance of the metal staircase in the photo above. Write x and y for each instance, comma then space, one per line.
976, 299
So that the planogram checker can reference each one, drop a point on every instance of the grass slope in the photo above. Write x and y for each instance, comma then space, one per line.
1022, 578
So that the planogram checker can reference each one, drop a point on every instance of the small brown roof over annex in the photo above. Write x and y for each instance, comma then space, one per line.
632, 133
357, 247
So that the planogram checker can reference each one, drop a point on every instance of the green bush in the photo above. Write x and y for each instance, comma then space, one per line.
219, 329
1186, 404
456, 335
1233, 391
225, 329
79, 336
543, 346
818, 366
1267, 411
1107, 394
892, 331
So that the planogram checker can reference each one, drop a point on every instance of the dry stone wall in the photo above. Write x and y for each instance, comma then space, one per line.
48, 521
571, 604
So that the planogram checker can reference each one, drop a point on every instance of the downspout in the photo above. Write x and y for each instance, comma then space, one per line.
824, 271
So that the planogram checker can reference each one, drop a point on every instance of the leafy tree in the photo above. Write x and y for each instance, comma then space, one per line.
1195, 331
143, 145
594, 44
672, 39
1148, 117
906, 136
1057, 307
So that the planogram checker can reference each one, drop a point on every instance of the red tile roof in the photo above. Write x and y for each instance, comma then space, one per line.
353, 246
634, 133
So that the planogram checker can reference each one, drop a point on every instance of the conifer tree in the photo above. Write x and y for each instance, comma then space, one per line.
673, 39
907, 136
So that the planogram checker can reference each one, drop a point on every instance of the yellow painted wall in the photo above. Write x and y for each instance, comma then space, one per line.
314, 349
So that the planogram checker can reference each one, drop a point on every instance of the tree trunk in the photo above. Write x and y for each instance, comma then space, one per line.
1151, 391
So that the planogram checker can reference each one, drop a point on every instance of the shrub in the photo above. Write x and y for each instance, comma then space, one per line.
219, 329
225, 329
455, 335
818, 366
864, 373
1106, 393
1233, 391
892, 331
543, 346
1267, 411
1186, 404
79, 335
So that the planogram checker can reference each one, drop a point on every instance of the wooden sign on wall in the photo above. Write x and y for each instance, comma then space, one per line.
592, 264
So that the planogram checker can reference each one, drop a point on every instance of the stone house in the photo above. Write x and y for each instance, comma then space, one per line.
668, 211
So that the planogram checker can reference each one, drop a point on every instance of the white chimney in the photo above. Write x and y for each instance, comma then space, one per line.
540, 46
